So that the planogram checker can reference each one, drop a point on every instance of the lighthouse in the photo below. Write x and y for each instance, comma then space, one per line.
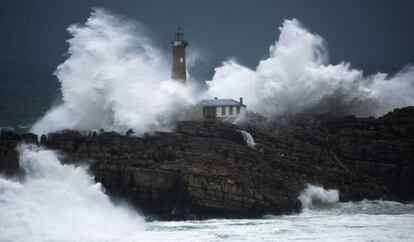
178, 70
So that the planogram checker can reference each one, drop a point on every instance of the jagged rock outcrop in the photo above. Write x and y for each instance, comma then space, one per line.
9, 157
382, 148
206, 169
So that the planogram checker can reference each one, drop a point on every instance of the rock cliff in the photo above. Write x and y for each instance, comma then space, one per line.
206, 169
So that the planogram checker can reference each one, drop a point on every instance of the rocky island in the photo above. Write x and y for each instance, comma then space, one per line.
207, 169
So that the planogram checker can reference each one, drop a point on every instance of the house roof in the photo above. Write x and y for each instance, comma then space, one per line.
220, 102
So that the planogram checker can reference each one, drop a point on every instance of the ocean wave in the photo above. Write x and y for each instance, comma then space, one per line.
56, 202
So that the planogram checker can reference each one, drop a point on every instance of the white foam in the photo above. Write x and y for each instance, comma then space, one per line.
62, 203
115, 79
58, 202
297, 77
7, 129
317, 196
313, 225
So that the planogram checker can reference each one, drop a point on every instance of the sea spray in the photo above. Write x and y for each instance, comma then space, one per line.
115, 79
316, 196
56, 202
297, 77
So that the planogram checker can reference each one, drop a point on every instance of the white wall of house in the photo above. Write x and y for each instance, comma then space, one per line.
219, 113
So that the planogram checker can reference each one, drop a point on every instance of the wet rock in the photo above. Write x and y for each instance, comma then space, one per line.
9, 159
206, 169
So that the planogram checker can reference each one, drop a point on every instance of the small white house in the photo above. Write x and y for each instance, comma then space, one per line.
222, 108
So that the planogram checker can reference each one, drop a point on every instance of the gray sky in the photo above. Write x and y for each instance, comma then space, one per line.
374, 35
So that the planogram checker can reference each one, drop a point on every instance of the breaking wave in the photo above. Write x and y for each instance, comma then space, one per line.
296, 77
56, 202
115, 79
315, 196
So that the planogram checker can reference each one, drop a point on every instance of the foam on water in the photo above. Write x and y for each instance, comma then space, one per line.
56, 202
318, 196
7, 129
116, 79
351, 221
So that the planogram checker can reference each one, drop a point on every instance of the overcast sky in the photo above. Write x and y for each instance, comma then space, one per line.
371, 34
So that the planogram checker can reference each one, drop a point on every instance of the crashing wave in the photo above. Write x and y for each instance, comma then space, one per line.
56, 202
316, 196
116, 79
297, 77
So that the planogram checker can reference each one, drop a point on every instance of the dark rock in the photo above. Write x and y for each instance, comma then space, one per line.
9, 159
129, 132
43, 139
205, 169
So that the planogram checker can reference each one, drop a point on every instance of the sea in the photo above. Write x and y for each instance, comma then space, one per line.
26, 93
62, 203
55, 202
361, 221
111, 56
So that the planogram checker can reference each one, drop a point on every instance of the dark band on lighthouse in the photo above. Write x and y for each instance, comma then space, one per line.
179, 71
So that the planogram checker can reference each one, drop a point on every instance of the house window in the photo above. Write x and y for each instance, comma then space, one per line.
238, 109
223, 110
231, 111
